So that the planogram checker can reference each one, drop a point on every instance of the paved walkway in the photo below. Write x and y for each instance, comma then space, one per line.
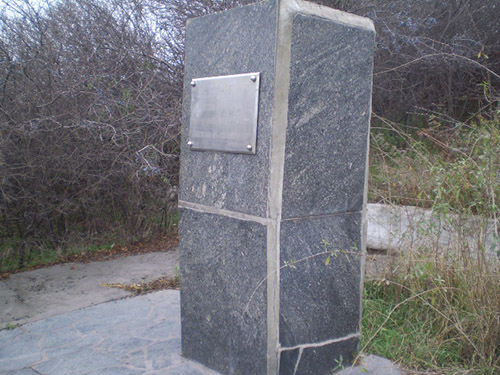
139, 335
30, 296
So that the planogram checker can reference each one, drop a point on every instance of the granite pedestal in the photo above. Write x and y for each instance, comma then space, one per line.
272, 240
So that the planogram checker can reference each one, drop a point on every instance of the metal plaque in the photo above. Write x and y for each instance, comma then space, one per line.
224, 113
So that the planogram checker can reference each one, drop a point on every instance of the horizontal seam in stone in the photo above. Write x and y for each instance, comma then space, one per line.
320, 344
320, 216
219, 211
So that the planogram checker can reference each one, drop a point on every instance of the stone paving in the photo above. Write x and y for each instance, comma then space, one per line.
139, 335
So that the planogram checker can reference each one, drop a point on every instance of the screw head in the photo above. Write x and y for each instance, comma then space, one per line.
253, 78
249, 147
190, 144
193, 83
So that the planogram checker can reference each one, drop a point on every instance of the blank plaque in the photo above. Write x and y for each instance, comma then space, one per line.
224, 112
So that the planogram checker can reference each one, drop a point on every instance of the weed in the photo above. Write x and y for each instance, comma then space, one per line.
461, 175
439, 313
438, 309
10, 326
339, 364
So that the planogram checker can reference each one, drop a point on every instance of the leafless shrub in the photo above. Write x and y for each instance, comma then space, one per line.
89, 121
433, 54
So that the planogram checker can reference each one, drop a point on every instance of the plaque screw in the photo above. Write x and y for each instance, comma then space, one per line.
190, 144
249, 147
253, 78
193, 83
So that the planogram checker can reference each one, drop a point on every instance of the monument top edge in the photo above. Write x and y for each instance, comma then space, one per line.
312, 9
306, 8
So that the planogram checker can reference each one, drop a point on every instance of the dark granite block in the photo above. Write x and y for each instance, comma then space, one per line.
223, 260
320, 302
328, 119
241, 40
324, 360
288, 360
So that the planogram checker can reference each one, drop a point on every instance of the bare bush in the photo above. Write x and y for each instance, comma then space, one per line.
432, 55
89, 121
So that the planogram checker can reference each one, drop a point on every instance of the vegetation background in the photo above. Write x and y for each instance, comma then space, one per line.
90, 111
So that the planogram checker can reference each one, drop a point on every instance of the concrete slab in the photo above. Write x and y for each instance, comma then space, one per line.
38, 294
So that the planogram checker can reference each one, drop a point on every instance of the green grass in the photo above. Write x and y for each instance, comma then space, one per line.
436, 311
9, 326
440, 314
454, 170
20, 253
41, 257
41, 254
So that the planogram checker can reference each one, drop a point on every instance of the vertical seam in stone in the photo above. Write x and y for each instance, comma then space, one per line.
277, 162
299, 357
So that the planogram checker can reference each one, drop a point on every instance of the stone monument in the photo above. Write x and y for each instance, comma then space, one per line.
277, 100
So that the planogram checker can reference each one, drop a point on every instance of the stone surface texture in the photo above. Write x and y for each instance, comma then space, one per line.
324, 191
329, 113
318, 360
372, 365
256, 230
223, 259
223, 264
38, 294
133, 336
319, 301
241, 40
406, 228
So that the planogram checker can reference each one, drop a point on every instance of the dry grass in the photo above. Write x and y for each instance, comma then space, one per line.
161, 283
435, 311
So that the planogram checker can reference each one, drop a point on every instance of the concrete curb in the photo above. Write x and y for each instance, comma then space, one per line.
402, 228
373, 365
